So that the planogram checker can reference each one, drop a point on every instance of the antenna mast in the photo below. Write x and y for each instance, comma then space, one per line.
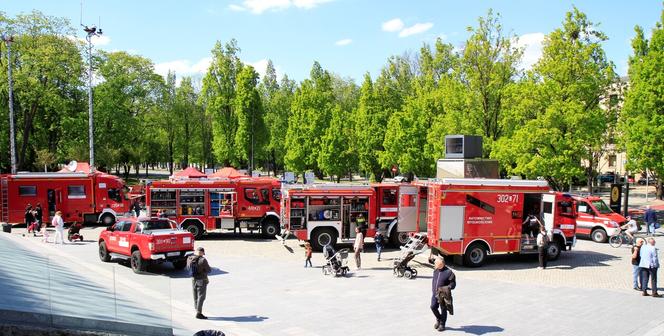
90, 31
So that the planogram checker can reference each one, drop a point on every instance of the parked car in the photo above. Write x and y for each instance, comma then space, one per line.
145, 241
650, 181
606, 178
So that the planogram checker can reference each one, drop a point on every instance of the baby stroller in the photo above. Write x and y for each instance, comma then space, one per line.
416, 244
337, 262
74, 232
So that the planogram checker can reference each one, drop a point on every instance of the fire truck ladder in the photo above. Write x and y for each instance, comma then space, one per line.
4, 199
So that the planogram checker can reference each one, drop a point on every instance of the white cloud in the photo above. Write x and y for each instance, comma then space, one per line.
343, 42
183, 67
260, 6
532, 48
417, 28
393, 25
236, 8
97, 41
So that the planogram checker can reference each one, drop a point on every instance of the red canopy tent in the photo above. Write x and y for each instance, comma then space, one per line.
190, 172
228, 172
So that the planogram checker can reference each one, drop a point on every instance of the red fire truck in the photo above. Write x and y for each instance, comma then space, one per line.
82, 197
325, 213
207, 205
476, 217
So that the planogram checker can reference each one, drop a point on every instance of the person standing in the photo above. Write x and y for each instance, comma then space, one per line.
651, 220
199, 268
137, 208
29, 216
39, 214
59, 225
442, 277
361, 222
649, 266
542, 247
307, 254
358, 246
379, 239
637, 281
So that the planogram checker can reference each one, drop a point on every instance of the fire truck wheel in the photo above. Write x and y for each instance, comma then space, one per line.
553, 251
194, 228
475, 255
103, 252
138, 264
398, 239
107, 219
322, 237
598, 236
270, 228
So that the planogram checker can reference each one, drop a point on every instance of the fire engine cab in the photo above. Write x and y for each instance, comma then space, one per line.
82, 197
472, 218
324, 214
218, 205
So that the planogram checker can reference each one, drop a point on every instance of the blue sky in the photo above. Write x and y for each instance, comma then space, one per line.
348, 37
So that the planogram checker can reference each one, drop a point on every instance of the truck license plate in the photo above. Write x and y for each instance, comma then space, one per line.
173, 254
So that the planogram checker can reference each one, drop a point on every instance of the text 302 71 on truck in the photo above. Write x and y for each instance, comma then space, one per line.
145, 241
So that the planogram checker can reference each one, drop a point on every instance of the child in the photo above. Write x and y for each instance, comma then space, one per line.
44, 232
307, 254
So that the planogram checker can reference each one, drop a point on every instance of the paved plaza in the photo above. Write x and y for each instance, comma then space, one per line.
259, 287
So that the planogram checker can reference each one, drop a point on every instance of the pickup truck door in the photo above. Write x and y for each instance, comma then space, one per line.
124, 236
112, 238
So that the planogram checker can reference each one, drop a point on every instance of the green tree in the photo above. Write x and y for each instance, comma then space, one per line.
311, 110
250, 134
642, 117
336, 157
562, 92
277, 100
218, 97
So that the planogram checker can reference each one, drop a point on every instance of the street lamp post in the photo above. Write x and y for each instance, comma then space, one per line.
12, 128
91, 31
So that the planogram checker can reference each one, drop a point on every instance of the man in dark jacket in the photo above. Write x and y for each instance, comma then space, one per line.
651, 220
199, 280
442, 276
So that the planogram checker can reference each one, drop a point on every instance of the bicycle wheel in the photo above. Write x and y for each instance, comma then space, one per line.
615, 241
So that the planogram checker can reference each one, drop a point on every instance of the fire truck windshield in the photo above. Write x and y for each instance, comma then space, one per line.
602, 207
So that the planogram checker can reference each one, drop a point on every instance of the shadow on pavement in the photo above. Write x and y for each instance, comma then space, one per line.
568, 260
477, 329
249, 318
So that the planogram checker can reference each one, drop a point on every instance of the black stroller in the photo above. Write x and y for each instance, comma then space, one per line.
337, 262
74, 232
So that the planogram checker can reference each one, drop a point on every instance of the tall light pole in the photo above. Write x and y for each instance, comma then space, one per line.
12, 128
91, 31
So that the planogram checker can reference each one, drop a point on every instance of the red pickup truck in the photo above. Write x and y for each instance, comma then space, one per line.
144, 241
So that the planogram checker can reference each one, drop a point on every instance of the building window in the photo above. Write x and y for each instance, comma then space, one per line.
76, 191
612, 161
27, 191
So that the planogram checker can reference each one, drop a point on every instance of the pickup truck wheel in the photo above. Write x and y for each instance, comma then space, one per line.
270, 228
194, 228
180, 264
138, 264
599, 236
103, 252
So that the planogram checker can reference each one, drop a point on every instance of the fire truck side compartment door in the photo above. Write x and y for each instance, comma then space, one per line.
548, 210
408, 198
452, 218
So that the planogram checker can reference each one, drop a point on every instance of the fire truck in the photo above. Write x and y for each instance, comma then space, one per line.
326, 214
82, 197
218, 205
596, 219
471, 218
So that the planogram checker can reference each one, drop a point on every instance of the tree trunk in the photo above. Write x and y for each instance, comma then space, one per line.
660, 191
146, 170
27, 130
170, 155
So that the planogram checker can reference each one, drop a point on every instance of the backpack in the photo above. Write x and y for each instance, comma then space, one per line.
193, 266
